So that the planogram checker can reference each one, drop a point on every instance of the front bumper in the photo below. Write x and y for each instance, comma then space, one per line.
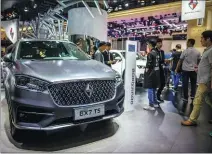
56, 127
37, 111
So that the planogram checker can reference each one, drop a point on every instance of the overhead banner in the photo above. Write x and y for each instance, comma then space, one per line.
11, 29
130, 75
193, 9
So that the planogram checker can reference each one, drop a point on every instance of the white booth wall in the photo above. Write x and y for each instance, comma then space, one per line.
171, 44
80, 22
167, 44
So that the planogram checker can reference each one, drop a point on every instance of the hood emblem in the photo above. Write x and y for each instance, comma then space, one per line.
89, 90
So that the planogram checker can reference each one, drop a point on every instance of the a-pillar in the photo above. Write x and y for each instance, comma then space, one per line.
83, 22
195, 31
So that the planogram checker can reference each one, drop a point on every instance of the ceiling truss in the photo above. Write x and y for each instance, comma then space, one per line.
50, 25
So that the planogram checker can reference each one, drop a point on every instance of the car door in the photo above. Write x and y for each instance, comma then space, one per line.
118, 65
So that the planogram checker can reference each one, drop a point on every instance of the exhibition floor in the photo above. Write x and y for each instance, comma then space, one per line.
135, 131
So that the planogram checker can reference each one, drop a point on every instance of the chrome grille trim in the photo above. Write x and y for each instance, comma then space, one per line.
60, 97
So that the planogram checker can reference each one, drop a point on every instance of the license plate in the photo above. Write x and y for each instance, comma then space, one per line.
89, 112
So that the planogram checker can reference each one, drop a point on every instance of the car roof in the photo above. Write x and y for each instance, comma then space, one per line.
117, 51
29, 40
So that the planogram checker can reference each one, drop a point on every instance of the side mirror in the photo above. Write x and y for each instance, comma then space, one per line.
8, 58
118, 59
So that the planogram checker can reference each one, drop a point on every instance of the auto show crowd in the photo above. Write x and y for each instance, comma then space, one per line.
187, 67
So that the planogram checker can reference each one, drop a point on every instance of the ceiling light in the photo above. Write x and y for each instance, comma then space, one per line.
35, 6
120, 7
26, 9
110, 10
126, 5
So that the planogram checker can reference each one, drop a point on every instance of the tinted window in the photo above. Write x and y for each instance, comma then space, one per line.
137, 56
47, 50
115, 55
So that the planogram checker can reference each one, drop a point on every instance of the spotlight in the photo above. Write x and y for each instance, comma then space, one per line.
127, 4
35, 6
26, 9
120, 7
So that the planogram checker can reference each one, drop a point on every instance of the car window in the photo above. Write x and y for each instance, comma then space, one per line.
138, 57
47, 50
115, 55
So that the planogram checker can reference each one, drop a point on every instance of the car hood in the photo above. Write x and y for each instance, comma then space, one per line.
64, 70
141, 62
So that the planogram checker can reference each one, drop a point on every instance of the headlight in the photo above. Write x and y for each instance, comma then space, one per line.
141, 67
118, 78
31, 83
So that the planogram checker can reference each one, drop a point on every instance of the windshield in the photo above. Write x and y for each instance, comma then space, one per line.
49, 50
137, 56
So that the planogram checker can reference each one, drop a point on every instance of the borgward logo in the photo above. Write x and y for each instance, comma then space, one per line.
89, 90
193, 4
11, 33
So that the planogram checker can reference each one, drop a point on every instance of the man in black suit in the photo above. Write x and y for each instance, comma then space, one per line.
108, 57
161, 68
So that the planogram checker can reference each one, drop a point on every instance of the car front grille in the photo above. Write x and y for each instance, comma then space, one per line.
82, 92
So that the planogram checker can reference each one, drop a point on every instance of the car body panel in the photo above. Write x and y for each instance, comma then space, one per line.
37, 110
120, 66
62, 70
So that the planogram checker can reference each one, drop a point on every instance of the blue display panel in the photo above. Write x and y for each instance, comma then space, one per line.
131, 48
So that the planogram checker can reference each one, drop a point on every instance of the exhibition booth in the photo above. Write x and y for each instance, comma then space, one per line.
56, 84
126, 30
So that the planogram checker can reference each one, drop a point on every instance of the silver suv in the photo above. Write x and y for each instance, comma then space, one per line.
52, 84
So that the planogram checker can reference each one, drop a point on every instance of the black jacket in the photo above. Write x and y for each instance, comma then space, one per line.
175, 59
162, 58
161, 65
107, 57
152, 72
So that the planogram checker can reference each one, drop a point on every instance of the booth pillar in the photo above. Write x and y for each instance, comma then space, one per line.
195, 31
81, 22
130, 75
